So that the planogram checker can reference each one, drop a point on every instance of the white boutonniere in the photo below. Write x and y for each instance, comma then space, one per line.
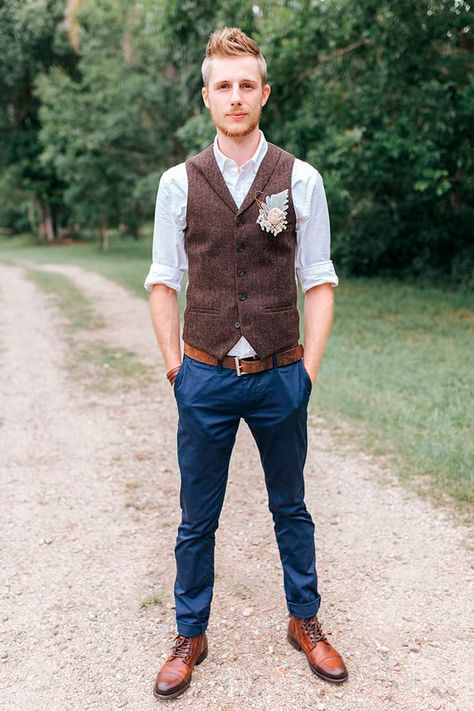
272, 215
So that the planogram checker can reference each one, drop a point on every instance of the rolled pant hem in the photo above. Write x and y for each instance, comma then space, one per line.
308, 609
190, 630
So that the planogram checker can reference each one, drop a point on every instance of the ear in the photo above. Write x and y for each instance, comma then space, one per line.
205, 96
265, 93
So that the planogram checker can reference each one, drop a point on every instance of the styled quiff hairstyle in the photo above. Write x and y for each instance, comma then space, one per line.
231, 42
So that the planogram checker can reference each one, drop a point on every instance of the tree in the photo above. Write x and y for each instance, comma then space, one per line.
378, 95
27, 47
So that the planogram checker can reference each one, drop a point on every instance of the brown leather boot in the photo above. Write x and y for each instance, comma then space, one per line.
174, 677
306, 634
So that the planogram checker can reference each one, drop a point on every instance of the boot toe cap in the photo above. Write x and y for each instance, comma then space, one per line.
332, 668
168, 683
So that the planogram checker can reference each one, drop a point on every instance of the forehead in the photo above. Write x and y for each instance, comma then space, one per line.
234, 69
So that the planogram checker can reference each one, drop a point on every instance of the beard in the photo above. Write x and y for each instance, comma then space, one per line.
241, 129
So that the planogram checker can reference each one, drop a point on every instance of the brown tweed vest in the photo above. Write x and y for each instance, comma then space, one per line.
241, 279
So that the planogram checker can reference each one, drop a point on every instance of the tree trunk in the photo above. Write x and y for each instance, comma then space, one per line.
45, 228
32, 216
136, 231
105, 235
49, 224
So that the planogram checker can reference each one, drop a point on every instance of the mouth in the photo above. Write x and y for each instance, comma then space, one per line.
237, 116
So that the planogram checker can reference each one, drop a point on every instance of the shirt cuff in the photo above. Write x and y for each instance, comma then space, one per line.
316, 274
163, 274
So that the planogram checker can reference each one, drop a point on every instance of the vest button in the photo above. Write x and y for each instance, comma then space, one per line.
241, 272
237, 324
238, 221
242, 297
240, 248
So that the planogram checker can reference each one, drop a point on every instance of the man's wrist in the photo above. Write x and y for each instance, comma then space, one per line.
172, 373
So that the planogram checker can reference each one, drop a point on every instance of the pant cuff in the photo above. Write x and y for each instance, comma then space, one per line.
308, 609
190, 630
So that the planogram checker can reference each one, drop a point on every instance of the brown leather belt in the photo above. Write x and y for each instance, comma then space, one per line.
246, 367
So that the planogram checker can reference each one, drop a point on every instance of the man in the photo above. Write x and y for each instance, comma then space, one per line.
244, 218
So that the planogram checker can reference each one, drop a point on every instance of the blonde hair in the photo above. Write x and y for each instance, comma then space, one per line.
231, 42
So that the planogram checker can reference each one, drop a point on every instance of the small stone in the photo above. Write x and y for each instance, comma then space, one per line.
247, 611
123, 703
3, 654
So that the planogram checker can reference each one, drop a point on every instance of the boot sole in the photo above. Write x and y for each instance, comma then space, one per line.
297, 646
182, 689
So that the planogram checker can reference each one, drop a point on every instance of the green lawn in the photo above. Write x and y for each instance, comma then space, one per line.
398, 366
127, 262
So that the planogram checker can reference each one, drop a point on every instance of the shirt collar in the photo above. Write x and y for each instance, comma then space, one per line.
255, 160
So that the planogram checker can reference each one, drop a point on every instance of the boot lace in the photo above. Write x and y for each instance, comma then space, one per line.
313, 629
182, 648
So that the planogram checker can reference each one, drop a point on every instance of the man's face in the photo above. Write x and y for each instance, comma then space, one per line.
235, 94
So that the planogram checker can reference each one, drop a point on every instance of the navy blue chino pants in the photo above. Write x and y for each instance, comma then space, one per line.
211, 400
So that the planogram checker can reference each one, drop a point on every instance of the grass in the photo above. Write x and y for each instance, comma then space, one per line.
92, 361
104, 367
154, 599
127, 262
77, 309
398, 366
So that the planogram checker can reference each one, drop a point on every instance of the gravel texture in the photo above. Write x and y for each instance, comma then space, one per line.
88, 521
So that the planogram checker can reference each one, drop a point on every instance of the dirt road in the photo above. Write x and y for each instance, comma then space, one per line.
89, 483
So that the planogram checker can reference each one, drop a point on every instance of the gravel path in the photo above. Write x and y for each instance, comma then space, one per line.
88, 521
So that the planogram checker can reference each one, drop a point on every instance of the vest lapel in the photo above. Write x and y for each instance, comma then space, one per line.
264, 173
207, 164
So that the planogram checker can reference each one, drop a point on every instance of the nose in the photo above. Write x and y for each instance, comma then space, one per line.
235, 98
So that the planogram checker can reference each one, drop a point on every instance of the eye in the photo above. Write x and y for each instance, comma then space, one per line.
247, 85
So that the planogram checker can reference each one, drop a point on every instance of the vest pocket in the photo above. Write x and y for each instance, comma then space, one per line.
202, 310
277, 308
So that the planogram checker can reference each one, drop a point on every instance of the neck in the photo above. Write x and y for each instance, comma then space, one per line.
239, 148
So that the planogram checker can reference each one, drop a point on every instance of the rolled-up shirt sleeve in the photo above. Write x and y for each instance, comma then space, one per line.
169, 259
313, 262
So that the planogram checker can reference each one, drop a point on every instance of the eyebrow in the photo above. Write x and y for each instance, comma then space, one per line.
241, 81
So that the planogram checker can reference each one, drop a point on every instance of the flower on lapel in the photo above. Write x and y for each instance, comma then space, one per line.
272, 215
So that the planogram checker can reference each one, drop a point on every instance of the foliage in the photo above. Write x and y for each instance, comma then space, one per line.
27, 47
110, 125
377, 94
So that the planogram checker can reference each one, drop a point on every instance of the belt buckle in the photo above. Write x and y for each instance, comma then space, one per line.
238, 367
